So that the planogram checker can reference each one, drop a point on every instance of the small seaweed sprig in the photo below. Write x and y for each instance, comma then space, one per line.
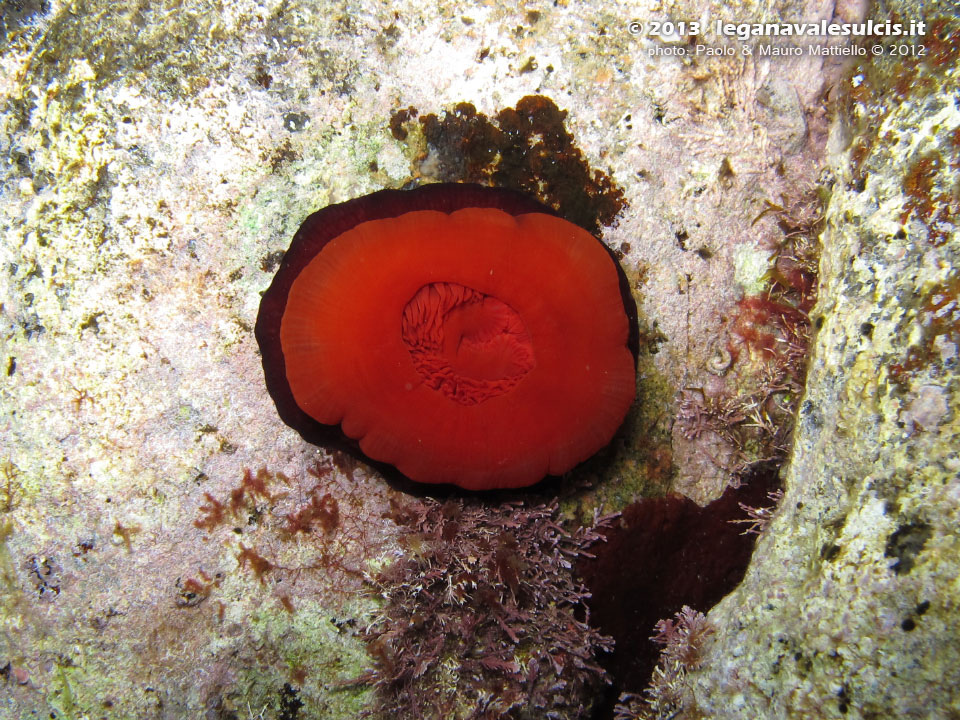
759, 518
683, 638
483, 617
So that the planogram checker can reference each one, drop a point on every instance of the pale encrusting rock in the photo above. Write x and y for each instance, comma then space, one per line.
849, 608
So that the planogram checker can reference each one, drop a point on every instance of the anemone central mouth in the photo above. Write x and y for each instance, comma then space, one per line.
465, 344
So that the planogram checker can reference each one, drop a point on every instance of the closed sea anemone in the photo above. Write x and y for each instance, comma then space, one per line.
463, 334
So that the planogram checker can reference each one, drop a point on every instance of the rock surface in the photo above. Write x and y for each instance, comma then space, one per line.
170, 549
849, 608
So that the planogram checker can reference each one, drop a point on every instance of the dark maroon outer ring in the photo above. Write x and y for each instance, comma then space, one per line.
323, 226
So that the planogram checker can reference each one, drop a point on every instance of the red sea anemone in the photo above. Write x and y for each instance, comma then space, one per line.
462, 334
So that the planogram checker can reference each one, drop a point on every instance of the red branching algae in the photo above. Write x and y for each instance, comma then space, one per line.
776, 325
770, 335
191, 592
244, 496
259, 564
266, 526
322, 509
682, 639
482, 616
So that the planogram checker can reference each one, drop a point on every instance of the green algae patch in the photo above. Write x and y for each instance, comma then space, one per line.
751, 266
62, 699
135, 42
317, 652
637, 463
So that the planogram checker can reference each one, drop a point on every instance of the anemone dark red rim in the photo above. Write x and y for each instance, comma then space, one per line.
322, 227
